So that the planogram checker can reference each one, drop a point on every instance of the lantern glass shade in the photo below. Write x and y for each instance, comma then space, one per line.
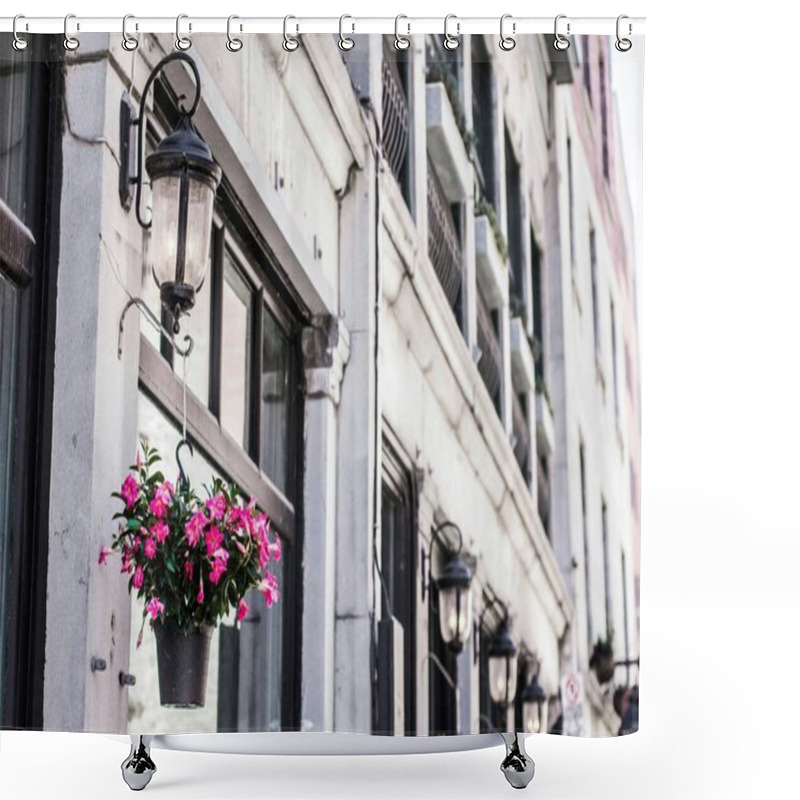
183, 181
534, 707
503, 678
455, 615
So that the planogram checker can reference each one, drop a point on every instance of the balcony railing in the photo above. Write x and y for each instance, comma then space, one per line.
444, 246
396, 119
490, 363
522, 436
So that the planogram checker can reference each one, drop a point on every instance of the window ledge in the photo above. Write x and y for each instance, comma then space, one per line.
445, 145
522, 367
492, 271
545, 426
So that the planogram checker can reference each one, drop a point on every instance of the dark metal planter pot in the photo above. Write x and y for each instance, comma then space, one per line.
604, 667
182, 664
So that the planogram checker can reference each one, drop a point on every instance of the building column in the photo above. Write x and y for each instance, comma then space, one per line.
326, 349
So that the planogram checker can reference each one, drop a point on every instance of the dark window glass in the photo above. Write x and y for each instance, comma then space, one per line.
483, 117
398, 602
275, 401
237, 313
514, 212
8, 366
15, 85
442, 698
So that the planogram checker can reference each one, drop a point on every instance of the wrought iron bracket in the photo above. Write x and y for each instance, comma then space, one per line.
156, 323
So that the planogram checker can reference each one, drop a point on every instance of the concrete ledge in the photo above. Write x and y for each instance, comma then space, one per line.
445, 145
492, 272
545, 426
522, 368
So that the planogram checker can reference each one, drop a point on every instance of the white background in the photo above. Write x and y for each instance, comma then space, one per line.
720, 597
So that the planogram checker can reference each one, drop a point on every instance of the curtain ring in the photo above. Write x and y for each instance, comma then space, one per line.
450, 42
182, 42
70, 42
623, 44
234, 44
345, 42
129, 43
290, 43
560, 42
507, 42
19, 43
401, 42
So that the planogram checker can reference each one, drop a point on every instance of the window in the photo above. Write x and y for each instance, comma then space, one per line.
595, 310
586, 565
539, 306
587, 72
483, 104
570, 203
30, 85
244, 415
603, 114
397, 126
397, 628
442, 710
514, 226
614, 360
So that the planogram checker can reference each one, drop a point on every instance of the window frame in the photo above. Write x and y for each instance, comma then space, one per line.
29, 254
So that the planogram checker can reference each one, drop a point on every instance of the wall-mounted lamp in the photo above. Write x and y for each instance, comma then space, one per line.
502, 653
183, 180
534, 706
453, 585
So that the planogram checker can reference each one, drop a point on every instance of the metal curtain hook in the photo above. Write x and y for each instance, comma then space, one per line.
622, 44
345, 42
182, 42
507, 42
70, 42
234, 44
290, 43
401, 42
560, 42
19, 43
450, 42
129, 42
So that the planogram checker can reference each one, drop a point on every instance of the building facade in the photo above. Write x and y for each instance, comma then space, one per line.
419, 309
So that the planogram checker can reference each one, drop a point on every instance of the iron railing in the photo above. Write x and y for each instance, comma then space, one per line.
490, 362
444, 246
522, 436
396, 119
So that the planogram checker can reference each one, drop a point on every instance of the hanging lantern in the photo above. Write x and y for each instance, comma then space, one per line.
503, 666
455, 603
183, 181
454, 588
534, 707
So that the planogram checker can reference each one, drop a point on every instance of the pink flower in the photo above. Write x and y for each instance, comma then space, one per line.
188, 569
200, 595
219, 566
127, 559
138, 578
194, 527
150, 548
155, 607
213, 540
130, 491
162, 498
216, 506
260, 526
160, 530
105, 552
241, 518
243, 609
269, 588
267, 551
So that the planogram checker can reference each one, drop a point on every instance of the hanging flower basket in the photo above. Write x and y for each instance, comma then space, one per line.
192, 562
182, 664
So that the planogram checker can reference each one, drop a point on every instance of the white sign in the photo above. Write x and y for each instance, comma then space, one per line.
572, 704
